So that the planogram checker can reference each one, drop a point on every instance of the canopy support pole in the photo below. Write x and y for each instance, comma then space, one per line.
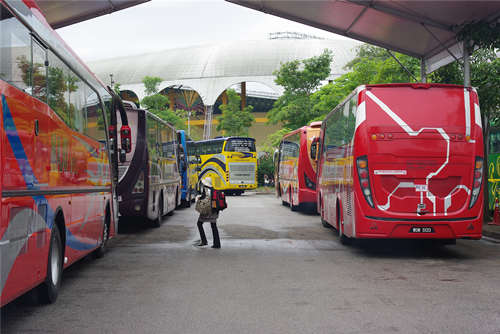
423, 73
207, 130
466, 64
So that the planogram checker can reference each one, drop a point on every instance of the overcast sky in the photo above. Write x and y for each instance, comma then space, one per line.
166, 24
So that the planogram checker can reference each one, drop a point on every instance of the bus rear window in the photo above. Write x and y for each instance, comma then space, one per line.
240, 145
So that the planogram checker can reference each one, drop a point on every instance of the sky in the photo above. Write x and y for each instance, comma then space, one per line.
168, 24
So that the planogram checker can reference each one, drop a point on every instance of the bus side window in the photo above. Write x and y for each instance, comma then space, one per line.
39, 71
57, 87
15, 51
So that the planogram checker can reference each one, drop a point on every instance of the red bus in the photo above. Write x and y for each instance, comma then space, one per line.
295, 180
403, 161
57, 202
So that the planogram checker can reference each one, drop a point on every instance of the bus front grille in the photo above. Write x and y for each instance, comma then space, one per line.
242, 173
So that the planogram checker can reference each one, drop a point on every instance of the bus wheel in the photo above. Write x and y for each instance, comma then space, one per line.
344, 240
49, 289
294, 207
239, 192
157, 222
105, 236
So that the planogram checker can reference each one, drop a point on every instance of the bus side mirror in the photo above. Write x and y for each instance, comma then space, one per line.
314, 149
126, 139
275, 156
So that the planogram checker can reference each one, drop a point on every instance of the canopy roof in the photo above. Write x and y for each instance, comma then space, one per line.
61, 13
423, 29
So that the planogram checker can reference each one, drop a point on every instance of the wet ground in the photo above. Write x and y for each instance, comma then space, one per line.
277, 272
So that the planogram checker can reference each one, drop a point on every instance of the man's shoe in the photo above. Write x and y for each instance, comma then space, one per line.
200, 244
216, 246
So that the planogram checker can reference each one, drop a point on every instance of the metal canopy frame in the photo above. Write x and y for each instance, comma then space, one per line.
423, 29
61, 13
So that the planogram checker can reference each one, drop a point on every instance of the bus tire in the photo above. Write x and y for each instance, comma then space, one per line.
238, 192
49, 289
294, 207
325, 223
188, 199
157, 222
99, 252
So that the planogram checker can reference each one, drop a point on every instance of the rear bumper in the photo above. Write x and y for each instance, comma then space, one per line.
307, 196
132, 207
380, 227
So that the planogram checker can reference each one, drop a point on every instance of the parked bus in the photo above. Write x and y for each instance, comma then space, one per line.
403, 161
57, 200
231, 163
295, 179
188, 188
149, 180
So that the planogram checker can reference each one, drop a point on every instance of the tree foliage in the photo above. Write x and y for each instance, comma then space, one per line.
299, 80
157, 103
234, 121
151, 84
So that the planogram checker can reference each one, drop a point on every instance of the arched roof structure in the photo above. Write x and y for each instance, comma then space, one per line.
211, 69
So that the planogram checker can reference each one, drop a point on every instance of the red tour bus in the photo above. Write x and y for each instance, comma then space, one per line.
295, 179
403, 161
57, 200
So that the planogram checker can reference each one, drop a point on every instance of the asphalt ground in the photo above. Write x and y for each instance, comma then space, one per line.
277, 272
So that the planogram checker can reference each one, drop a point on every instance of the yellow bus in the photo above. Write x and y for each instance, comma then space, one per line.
231, 163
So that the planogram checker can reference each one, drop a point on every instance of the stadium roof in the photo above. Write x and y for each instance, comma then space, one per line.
211, 69
423, 29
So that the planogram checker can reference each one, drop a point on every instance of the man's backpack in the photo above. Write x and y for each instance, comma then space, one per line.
218, 200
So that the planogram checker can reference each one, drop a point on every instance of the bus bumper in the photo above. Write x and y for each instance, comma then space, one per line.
133, 207
380, 227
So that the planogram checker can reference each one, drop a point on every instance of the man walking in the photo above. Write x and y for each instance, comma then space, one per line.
207, 213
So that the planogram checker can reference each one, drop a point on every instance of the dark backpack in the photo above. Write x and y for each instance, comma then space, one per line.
218, 200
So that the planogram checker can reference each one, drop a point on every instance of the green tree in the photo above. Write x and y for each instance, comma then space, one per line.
151, 84
157, 103
234, 121
299, 80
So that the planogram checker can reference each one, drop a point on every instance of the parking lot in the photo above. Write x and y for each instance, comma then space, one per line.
277, 272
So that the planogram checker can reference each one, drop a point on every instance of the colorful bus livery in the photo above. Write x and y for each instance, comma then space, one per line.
403, 161
296, 177
231, 163
57, 202
149, 181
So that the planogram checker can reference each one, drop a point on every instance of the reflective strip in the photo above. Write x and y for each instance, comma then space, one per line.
467, 111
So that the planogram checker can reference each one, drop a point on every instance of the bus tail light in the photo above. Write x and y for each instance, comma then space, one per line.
126, 138
309, 184
364, 179
139, 185
477, 181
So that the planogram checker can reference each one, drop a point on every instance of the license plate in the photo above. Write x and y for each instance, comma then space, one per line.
421, 230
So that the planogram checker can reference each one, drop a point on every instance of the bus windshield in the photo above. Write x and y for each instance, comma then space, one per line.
240, 145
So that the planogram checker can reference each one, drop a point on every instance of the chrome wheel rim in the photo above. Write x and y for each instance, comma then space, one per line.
55, 263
